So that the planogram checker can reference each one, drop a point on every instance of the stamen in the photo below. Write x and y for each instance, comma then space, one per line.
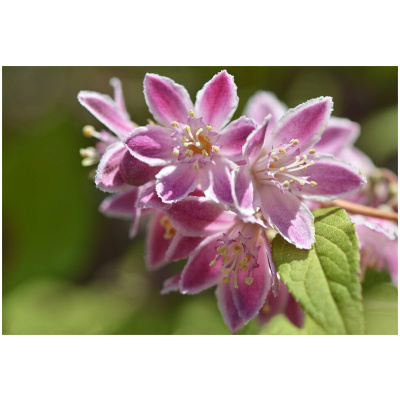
175, 124
313, 183
223, 250
209, 127
226, 279
88, 131
285, 184
292, 181
198, 144
249, 280
204, 153
191, 113
175, 152
237, 248
282, 169
282, 151
275, 158
312, 151
215, 148
196, 165
294, 142
199, 131
212, 263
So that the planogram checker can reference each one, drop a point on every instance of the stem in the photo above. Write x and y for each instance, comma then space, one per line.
354, 208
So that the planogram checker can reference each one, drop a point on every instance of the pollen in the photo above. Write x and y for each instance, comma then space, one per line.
175, 153
302, 183
294, 142
88, 131
275, 158
313, 183
285, 184
175, 124
282, 169
191, 113
215, 148
282, 151
226, 279
209, 127
248, 280
312, 151
187, 129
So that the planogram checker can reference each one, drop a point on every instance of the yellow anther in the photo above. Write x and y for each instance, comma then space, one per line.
212, 263
187, 129
285, 184
175, 153
245, 261
170, 233
191, 113
204, 153
222, 250
186, 144
198, 144
313, 183
175, 124
248, 280
297, 158
282, 169
304, 157
226, 279
88, 131
275, 158
302, 183
312, 151
209, 127
295, 142
215, 148
282, 151
237, 248
292, 181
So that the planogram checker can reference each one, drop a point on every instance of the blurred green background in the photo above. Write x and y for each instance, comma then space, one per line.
67, 269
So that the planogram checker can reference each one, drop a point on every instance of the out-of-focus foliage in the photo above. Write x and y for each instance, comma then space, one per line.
68, 269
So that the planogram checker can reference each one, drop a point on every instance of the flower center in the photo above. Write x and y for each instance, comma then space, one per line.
196, 142
238, 255
170, 231
283, 167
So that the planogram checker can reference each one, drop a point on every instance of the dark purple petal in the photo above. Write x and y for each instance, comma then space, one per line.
175, 182
334, 178
108, 176
306, 123
288, 215
227, 307
198, 216
217, 100
249, 299
151, 144
136, 172
197, 274
167, 100
181, 246
262, 104
234, 137
294, 312
274, 305
107, 112
340, 133
156, 242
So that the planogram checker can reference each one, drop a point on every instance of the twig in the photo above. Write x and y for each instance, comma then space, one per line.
354, 208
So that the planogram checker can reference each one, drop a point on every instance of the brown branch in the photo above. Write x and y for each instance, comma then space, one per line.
354, 208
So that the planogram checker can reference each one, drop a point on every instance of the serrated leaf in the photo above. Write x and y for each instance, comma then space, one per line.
326, 279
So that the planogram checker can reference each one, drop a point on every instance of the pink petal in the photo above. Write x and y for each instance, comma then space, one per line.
149, 199
217, 100
151, 144
107, 112
357, 158
136, 172
220, 181
234, 136
156, 244
243, 193
119, 96
227, 307
289, 216
108, 176
181, 246
255, 141
263, 103
175, 182
198, 216
249, 299
120, 205
171, 284
334, 178
134, 229
167, 100
197, 274
340, 133
306, 123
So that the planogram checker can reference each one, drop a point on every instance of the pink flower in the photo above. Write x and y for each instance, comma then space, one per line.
284, 169
117, 168
233, 254
195, 147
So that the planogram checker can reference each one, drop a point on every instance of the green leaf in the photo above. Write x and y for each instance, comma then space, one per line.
326, 279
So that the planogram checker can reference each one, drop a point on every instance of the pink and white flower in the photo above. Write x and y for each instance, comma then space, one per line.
284, 169
195, 146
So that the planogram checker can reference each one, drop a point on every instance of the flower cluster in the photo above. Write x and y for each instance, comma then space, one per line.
214, 190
